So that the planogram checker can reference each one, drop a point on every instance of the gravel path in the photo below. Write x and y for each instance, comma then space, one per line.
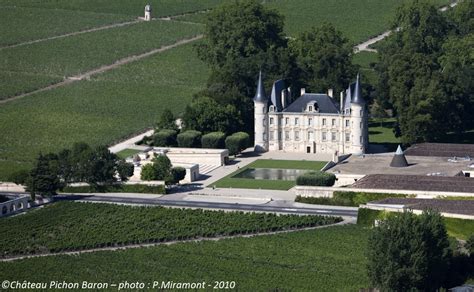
133, 246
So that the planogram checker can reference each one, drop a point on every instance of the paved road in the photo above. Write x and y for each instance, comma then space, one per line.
327, 210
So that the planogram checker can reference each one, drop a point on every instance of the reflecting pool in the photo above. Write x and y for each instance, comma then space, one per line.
270, 173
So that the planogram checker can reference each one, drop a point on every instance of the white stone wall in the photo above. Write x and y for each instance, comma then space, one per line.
261, 126
13, 206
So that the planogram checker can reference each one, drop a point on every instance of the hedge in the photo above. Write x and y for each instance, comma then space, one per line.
213, 140
190, 139
237, 142
352, 199
165, 138
136, 188
316, 178
367, 217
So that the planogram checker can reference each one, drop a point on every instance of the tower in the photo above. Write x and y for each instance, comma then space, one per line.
147, 12
359, 124
260, 102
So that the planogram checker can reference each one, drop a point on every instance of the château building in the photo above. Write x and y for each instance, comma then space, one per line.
313, 123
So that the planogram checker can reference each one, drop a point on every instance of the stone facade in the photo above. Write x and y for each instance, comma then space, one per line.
313, 123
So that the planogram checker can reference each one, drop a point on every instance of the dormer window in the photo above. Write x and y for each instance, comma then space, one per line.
312, 107
272, 108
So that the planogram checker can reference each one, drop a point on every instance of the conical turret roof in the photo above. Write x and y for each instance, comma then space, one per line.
260, 95
357, 94
399, 159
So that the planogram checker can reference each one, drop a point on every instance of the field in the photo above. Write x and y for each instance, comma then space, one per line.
75, 226
99, 111
127, 153
244, 183
38, 23
358, 20
77, 54
328, 259
124, 7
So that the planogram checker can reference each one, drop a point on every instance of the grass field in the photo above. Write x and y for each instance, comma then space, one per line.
80, 53
328, 259
100, 111
126, 7
245, 183
75, 226
127, 153
38, 23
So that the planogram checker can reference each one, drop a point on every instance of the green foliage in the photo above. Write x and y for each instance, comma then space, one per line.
331, 259
206, 115
124, 170
237, 142
425, 69
119, 188
159, 169
407, 252
165, 138
367, 217
74, 226
148, 172
213, 140
316, 178
324, 57
190, 139
44, 179
177, 174
470, 245
19, 177
125, 153
167, 121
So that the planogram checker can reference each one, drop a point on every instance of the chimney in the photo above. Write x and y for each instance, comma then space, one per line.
342, 101
303, 91
330, 92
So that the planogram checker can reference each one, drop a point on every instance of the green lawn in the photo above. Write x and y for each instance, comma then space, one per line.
102, 110
328, 259
381, 133
245, 183
74, 226
459, 228
38, 23
125, 153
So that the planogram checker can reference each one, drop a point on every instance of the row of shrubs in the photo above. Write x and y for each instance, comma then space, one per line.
194, 139
316, 178
352, 199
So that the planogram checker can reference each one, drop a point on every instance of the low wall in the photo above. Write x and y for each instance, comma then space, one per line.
401, 208
309, 191
216, 157
11, 187
14, 205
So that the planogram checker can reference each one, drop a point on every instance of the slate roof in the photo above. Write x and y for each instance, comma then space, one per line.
416, 183
326, 104
357, 93
278, 86
441, 150
465, 207
260, 95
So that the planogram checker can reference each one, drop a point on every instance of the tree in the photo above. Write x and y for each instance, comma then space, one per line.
189, 139
19, 177
44, 179
124, 170
378, 112
237, 142
177, 174
324, 58
242, 38
206, 115
159, 169
167, 121
409, 252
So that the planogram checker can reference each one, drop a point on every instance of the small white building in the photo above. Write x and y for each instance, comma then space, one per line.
313, 123
147, 12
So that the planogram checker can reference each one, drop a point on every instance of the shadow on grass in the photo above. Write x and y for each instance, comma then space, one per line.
464, 138
375, 148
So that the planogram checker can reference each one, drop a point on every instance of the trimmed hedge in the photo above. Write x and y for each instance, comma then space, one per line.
190, 139
352, 199
142, 189
213, 140
165, 138
237, 142
367, 217
316, 178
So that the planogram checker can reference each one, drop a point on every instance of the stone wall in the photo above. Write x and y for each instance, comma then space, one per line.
13, 206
